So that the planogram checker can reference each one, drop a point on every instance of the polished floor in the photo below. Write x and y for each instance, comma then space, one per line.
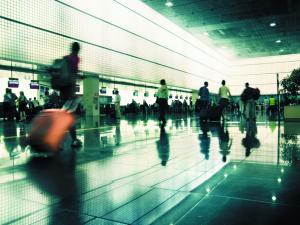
134, 172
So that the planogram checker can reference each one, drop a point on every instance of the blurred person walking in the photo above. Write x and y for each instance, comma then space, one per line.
224, 94
162, 101
67, 93
248, 99
203, 101
118, 105
22, 106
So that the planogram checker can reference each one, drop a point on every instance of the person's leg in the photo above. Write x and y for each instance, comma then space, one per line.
252, 109
247, 109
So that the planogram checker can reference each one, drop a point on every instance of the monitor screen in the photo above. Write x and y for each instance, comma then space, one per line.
176, 97
34, 84
171, 96
146, 94
181, 97
13, 83
105, 100
103, 90
135, 93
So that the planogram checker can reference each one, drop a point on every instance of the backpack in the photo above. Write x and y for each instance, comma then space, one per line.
255, 93
60, 73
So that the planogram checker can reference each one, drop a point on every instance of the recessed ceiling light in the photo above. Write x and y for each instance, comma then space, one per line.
169, 3
272, 24
281, 50
278, 41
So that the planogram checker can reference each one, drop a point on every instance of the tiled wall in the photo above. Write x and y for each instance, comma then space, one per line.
118, 39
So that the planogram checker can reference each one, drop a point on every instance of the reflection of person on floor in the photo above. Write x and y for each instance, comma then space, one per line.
118, 105
224, 142
10, 138
56, 177
250, 141
118, 134
204, 139
163, 146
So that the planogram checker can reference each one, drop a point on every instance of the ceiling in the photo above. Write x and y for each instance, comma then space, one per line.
238, 27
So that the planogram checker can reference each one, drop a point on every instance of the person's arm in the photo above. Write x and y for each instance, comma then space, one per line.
199, 92
229, 92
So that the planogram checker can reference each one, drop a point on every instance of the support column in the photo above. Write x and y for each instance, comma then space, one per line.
91, 95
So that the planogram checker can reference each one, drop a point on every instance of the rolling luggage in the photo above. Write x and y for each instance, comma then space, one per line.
215, 113
49, 128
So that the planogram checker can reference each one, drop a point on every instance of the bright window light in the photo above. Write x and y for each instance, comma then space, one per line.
272, 24
206, 33
169, 3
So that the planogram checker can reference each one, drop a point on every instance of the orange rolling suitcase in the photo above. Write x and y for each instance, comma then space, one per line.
49, 128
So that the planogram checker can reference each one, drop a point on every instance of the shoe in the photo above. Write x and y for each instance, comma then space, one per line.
76, 143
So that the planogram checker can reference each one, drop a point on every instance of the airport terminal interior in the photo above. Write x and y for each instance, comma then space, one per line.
155, 112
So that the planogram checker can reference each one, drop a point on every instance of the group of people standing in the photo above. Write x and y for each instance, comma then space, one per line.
18, 108
247, 103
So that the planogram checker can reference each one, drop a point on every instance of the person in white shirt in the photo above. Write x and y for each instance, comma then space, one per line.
117, 105
224, 94
162, 101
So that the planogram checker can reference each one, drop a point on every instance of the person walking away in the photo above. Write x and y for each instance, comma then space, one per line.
22, 105
117, 105
12, 105
6, 104
203, 101
272, 105
266, 105
247, 97
224, 94
67, 93
162, 101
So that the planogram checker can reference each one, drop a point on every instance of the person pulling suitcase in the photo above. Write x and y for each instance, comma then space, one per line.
48, 128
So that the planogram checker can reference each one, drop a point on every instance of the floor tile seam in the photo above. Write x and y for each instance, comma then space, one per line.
190, 209
154, 185
119, 185
127, 203
110, 220
27, 215
179, 171
145, 170
253, 200
188, 194
182, 171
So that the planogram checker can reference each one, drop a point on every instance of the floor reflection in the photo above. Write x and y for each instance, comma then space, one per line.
204, 139
250, 141
163, 146
55, 176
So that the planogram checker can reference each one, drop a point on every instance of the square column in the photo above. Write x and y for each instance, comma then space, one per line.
91, 95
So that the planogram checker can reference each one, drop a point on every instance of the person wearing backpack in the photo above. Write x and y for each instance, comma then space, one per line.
249, 101
68, 91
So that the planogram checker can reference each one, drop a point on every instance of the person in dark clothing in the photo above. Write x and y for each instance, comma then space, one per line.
68, 92
6, 104
162, 101
22, 105
204, 100
248, 99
